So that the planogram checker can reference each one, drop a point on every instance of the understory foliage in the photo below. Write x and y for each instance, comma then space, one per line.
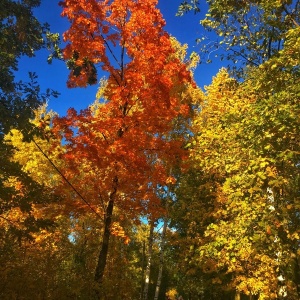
157, 189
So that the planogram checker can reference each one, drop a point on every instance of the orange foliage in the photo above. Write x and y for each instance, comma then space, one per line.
122, 142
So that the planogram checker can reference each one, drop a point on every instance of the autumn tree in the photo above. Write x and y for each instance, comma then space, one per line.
31, 228
122, 138
242, 138
243, 145
21, 35
21, 193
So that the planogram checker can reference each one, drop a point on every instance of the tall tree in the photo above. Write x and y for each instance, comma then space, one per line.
123, 137
243, 139
244, 144
149, 261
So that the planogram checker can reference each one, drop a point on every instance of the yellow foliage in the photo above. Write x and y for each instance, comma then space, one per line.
28, 155
172, 294
240, 238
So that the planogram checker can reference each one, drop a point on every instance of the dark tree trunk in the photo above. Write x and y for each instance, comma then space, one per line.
104, 249
99, 272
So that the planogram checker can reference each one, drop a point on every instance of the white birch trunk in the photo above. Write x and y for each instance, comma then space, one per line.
282, 291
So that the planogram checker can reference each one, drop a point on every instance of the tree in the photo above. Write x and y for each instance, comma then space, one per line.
242, 138
122, 139
21, 34
161, 258
19, 191
250, 32
29, 231
243, 143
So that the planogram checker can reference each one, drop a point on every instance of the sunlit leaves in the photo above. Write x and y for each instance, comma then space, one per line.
244, 143
143, 96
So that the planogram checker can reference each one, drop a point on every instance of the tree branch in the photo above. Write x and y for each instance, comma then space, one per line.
65, 179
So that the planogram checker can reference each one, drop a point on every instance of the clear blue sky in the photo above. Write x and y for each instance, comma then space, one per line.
186, 29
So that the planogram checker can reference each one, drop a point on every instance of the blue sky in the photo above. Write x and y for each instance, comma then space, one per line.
186, 29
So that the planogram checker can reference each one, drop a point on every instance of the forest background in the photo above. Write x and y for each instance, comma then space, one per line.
156, 188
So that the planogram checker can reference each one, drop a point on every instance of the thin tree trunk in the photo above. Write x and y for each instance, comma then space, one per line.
99, 272
149, 259
161, 259
104, 249
237, 295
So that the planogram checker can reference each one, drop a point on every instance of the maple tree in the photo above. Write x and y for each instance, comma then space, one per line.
121, 141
